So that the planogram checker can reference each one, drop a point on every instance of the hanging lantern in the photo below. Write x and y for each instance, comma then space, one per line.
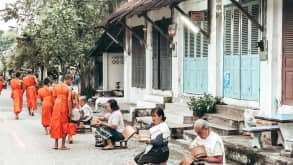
172, 30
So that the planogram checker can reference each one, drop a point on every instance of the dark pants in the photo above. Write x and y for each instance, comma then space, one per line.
109, 133
155, 157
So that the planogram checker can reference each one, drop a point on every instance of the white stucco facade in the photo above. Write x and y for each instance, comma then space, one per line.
113, 70
270, 70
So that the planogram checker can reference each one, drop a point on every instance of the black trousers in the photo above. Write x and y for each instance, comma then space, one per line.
153, 156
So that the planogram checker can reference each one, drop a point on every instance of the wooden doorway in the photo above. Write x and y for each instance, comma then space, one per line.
162, 58
287, 64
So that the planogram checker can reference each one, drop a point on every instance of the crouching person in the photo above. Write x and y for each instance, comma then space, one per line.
111, 131
156, 151
211, 141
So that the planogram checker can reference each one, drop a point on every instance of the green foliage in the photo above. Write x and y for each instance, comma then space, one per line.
203, 104
57, 32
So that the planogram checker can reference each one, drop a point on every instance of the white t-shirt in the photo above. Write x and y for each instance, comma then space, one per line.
117, 120
87, 112
156, 131
213, 144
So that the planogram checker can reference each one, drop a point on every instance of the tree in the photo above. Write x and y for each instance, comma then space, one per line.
57, 32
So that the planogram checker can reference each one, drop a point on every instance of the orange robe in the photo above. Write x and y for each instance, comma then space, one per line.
45, 94
59, 126
72, 126
74, 103
16, 95
1, 84
31, 91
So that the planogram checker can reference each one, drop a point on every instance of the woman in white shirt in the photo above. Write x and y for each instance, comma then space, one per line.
111, 131
157, 150
211, 141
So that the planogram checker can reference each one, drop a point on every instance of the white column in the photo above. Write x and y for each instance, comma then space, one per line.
214, 54
105, 71
127, 65
177, 69
271, 70
149, 60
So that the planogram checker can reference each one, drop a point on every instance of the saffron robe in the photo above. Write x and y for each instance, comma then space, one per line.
45, 94
31, 91
16, 95
1, 84
59, 126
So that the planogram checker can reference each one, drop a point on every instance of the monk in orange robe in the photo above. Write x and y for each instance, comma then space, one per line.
73, 126
59, 126
45, 94
16, 95
1, 84
29, 83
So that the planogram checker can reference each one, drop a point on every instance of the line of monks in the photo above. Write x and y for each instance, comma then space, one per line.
57, 104
1, 84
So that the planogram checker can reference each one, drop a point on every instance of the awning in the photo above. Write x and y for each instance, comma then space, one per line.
107, 44
138, 7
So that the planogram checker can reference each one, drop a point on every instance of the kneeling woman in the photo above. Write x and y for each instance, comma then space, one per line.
157, 150
112, 131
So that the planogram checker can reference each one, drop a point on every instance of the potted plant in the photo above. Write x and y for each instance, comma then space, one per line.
203, 104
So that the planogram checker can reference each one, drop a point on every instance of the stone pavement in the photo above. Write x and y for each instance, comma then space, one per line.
22, 142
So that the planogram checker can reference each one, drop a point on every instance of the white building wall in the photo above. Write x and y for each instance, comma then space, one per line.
134, 94
113, 70
270, 70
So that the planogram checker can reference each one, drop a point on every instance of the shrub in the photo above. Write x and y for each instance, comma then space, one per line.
204, 104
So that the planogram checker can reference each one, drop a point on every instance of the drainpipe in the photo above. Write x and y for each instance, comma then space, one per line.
276, 106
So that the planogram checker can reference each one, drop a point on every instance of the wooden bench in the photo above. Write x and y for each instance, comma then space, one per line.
256, 131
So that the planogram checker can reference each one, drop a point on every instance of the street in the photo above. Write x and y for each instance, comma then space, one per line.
23, 142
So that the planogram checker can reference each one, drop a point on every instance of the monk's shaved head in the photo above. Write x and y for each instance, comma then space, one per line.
68, 77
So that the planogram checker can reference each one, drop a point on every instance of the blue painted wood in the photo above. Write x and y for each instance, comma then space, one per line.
262, 128
241, 76
195, 68
281, 118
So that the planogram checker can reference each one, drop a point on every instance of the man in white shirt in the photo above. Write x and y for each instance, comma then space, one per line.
211, 141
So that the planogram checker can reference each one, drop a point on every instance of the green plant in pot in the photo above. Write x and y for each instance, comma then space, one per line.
203, 104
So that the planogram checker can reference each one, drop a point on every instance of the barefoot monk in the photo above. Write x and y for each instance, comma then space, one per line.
29, 83
1, 84
45, 94
16, 95
62, 110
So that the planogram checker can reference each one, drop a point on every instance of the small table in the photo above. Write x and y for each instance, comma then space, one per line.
286, 126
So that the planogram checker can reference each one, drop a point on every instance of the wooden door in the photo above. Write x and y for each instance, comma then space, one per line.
287, 69
232, 49
241, 56
138, 60
195, 62
162, 58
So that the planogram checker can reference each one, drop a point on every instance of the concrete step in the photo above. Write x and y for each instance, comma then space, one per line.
223, 130
235, 112
158, 98
149, 104
221, 119
238, 150
189, 135
175, 112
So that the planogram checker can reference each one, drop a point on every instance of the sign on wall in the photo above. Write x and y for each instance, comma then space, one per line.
197, 15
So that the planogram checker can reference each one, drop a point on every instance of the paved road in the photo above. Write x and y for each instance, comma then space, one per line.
23, 142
